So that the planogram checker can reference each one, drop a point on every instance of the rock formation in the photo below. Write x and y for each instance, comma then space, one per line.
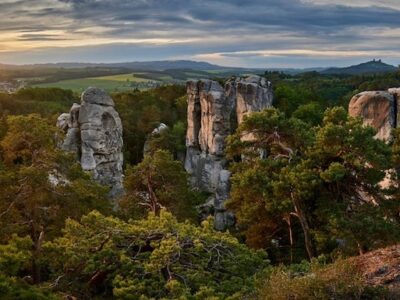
377, 109
380, 109
94, 132
156, 132
213, 113
396, 96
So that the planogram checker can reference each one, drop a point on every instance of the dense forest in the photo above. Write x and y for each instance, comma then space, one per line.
298, 210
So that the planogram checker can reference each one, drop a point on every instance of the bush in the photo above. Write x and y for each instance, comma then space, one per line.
340, 280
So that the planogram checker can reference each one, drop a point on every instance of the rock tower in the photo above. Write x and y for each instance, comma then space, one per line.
94, 132
214, 112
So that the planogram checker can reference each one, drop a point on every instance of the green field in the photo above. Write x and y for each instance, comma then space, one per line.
113, 83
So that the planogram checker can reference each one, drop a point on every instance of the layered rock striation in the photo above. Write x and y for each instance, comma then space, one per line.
94, 133
214, 112
379, 109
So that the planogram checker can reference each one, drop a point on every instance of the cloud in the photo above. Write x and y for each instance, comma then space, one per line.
234, 31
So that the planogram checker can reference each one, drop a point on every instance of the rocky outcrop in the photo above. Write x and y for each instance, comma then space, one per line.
395, 92
381, 268
94, 132
252, 94
155, 133
377, 109
209, 113
213, 113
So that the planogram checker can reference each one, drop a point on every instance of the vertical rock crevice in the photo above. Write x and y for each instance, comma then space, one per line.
94, 133
396, 95
377, 109
214, 112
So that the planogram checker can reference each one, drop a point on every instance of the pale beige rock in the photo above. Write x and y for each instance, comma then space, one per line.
253, 93
377, 110
193, 114
213, 113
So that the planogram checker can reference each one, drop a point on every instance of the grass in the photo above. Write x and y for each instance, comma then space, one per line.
113, 83
339, 280
121, 77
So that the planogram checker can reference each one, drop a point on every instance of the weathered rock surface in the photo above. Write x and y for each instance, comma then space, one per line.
377, 109
213, 113
253, 93
396, 95
94, 132
156, 132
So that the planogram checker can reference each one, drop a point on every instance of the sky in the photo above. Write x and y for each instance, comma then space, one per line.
253, 33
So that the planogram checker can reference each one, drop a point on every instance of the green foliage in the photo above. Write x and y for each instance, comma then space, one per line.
155, 183
310, 113
40, 185
15, 255
156, 257
44, 101
319, 184
15, 258
172, 140
141, 112
326, 90
13, 289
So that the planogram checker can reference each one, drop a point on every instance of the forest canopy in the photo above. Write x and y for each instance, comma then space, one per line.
298, 191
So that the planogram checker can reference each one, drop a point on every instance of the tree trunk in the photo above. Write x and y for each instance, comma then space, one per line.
37, 239
289, 223
155, 207
305, 226
307, 235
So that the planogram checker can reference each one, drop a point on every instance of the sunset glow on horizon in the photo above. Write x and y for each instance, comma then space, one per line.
299, 33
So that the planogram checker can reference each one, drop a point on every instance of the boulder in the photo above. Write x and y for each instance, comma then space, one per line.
377, 109
63, 121
94, 133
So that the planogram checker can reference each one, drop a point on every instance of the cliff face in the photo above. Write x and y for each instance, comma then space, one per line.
377, 109
213, 113
94, 132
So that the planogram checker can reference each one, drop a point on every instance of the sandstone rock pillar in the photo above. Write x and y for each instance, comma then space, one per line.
213, 113
94, 132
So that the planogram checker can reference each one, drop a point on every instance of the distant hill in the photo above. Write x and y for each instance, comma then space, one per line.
373, 66
182, 66
136, 66
168, 65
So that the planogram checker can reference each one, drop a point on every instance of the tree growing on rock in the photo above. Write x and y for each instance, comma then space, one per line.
322, 179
